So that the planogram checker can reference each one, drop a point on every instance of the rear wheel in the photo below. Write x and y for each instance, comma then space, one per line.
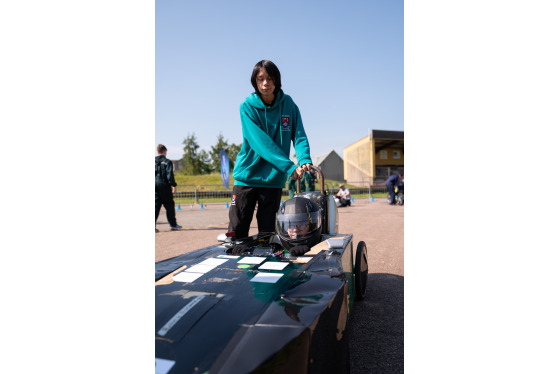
361, 271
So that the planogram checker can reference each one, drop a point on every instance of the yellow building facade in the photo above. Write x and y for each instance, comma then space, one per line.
377, 155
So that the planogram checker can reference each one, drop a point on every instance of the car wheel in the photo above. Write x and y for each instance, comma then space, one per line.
361, 271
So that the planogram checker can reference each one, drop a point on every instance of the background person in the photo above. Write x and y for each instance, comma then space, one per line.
165, 187
344, 196
308, 181
392, 182
292, 185
270, 121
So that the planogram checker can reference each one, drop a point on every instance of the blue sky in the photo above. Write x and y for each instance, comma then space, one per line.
342, 63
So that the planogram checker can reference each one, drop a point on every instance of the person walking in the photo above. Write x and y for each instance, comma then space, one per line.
270, 122
165, 187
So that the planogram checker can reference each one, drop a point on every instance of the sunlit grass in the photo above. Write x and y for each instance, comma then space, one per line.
213, 182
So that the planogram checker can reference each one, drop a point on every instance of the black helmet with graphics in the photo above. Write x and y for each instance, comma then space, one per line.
298, 222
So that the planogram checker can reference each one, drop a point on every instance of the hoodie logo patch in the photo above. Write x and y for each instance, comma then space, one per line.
285, 123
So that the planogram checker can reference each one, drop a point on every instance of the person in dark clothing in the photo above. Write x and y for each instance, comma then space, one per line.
165, 187
392, 182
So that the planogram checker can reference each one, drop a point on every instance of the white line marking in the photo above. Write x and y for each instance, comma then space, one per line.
179, 315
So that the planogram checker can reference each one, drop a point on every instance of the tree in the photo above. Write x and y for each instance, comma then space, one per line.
193, 161
233, 151
203, 163
222, 143
189, 160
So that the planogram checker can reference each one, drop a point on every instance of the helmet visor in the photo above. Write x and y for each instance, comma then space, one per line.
297, 225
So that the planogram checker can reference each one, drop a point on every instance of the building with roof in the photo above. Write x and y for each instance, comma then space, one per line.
331, 165
379, 154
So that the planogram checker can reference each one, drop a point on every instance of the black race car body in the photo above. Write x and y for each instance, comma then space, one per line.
263, 311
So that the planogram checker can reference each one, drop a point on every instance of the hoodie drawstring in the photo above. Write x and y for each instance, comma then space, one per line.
266, 126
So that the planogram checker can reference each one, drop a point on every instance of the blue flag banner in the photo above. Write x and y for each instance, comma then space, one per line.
225, 168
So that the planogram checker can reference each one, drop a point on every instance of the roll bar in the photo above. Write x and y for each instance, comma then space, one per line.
320, 173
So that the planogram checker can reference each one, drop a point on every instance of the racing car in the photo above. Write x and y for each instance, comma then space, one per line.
261, 304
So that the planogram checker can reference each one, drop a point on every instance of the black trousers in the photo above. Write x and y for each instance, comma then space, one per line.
391, 190
344, 202
164, 197
242, 208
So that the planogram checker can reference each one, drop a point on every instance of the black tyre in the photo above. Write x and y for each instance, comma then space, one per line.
361, 271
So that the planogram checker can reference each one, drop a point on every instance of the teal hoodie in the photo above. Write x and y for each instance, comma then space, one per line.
268, 132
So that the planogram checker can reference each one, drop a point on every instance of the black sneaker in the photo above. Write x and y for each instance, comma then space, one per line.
176, 227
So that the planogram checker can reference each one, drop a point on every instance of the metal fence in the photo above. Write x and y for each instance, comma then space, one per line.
204, 193
217, 193
185, 194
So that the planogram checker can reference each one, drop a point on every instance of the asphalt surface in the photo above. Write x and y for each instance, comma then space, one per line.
376, 327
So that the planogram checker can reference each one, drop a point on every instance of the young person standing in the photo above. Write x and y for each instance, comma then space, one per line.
165, 187
270, 121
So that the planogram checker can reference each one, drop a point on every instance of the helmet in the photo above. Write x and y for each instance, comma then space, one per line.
298, 222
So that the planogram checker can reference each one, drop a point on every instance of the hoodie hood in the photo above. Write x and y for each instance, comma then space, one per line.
256, 102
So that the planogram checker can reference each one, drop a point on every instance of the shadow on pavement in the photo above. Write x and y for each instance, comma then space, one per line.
224, 228
376, 328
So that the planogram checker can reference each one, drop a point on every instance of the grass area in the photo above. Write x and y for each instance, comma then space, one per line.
215, 180
224, 200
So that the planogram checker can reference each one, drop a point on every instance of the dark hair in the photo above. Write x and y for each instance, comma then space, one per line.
271, 70
161, 148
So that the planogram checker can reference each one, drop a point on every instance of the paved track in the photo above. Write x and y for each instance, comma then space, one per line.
377, 323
